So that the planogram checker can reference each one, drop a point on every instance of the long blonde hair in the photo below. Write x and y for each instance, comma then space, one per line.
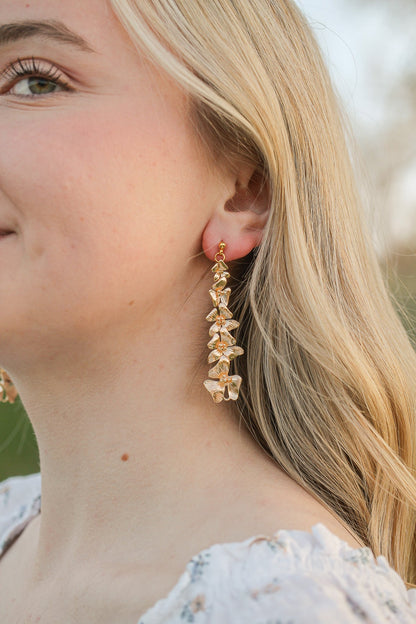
329, 373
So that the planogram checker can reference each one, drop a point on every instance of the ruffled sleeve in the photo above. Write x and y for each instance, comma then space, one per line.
19, 502
294, 577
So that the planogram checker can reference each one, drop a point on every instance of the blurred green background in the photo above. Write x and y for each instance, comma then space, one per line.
18, 448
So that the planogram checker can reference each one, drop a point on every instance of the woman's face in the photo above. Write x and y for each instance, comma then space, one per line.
103, 181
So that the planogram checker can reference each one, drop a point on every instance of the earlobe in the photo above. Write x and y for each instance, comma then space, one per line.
239, 241
240, 220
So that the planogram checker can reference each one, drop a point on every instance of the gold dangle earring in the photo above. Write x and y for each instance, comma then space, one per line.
222, 343
8, 392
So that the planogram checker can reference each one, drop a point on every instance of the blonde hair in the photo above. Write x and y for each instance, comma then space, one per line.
329, 373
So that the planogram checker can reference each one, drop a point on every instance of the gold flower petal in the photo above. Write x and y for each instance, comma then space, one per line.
216, 354
214, 340
212, 315
220, 275
224, 296
220, 296
234, 387
224, 311
226, 336
221, 367
233, 352
214, 297
219, 266
8, 391
219, 285
221, 324
231, 324
215, 390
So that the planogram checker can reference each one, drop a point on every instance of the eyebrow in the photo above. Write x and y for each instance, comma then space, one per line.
49, 29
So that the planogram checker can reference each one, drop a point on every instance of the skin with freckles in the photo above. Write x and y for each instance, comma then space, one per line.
117, 212
92, 180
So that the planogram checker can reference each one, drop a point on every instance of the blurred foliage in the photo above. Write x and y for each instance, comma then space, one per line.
400, 271
18, 448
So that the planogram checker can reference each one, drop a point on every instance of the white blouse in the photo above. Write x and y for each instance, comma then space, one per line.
291, 577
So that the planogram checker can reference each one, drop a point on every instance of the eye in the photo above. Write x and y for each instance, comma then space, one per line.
35, 85
31, 79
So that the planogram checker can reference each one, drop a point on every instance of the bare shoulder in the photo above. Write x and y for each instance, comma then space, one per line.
284, 504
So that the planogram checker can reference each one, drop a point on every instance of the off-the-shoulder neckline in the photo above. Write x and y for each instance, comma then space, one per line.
319, 536
318, 533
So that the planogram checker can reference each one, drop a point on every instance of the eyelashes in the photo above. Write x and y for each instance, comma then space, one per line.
37, 73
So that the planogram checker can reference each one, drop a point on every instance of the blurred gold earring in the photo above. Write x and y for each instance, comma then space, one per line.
8, 392
222, 343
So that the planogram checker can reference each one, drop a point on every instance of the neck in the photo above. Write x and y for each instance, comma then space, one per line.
128, 442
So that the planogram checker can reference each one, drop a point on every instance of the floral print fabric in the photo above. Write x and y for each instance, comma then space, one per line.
291, 577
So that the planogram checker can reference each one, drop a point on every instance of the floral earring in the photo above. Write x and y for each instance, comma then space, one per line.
8, 392
222, 343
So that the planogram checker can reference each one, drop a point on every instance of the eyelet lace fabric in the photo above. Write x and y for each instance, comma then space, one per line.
291, 577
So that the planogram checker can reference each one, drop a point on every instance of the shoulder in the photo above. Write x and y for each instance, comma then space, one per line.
19, 502
292, 577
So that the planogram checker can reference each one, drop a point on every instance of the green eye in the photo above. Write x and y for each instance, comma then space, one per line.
37, 86
31, 79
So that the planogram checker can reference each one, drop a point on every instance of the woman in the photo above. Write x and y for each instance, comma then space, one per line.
135, 138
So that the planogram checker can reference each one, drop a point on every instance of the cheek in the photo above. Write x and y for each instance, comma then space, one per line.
101, 165
88, 160
103, 203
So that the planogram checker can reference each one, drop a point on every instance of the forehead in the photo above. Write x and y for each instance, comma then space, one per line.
108, 50
93, 20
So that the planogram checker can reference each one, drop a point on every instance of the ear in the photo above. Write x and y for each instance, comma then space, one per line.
240, 219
